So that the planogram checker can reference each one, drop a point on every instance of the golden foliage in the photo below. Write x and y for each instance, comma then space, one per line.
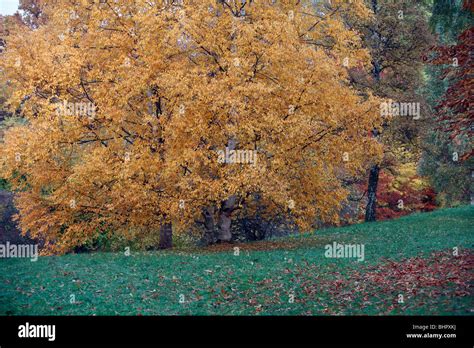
171, 85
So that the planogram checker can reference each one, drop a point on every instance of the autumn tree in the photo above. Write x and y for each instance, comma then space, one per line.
397, 35
7, 117
402, 190
147, 116
454, 111
447, 151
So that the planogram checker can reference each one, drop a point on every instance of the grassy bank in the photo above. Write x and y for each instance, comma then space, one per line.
412, 257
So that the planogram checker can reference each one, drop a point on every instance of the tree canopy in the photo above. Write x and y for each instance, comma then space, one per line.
130, 104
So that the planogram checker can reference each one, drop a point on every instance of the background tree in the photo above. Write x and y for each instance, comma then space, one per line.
447, 149
397, 35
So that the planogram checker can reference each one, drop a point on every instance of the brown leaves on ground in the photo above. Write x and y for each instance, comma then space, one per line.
265, 245
442, 269
426, 279
257, 246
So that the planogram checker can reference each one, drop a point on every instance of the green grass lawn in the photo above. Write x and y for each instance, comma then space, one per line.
411, 256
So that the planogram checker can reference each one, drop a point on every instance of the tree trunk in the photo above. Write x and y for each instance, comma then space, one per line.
371, 208
374, 6
227, 207
166, 236
209, 225
225, 219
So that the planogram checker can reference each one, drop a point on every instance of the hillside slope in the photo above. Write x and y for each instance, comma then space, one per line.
410, 267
